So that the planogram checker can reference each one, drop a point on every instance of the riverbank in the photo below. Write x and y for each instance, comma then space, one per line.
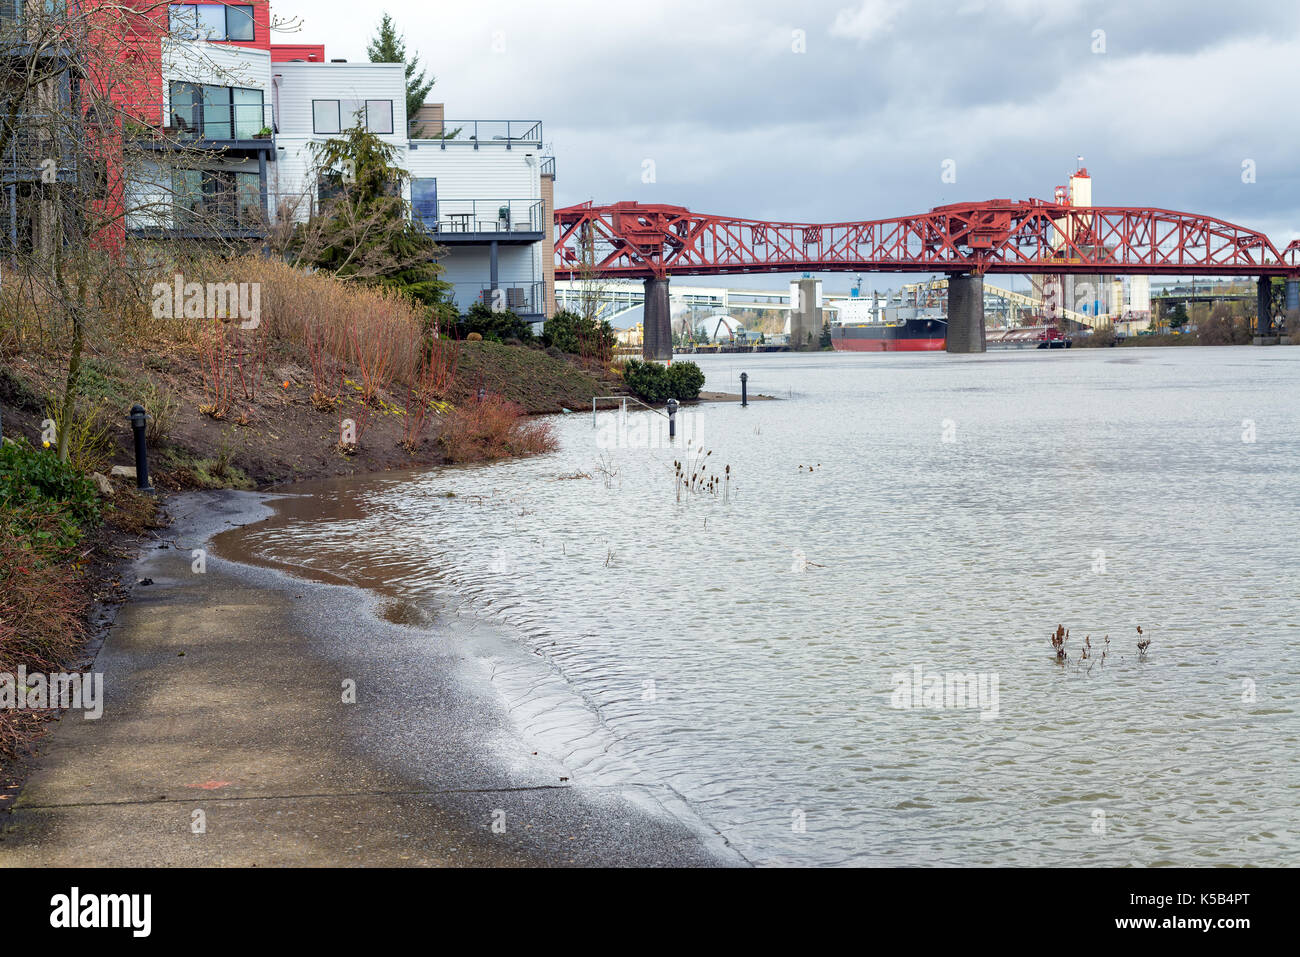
224, 710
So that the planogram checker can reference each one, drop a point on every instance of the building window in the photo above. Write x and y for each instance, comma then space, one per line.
216, 112
424, 201
239, 23
379, 116
212, 21
216, 198
325, 116
332, 116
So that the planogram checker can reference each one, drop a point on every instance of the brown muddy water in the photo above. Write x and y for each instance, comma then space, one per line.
838, 651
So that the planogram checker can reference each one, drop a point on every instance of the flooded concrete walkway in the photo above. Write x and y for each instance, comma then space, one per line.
225, 739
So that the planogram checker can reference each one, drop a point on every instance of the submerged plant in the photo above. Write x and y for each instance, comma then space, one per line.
693, 476
1059, 638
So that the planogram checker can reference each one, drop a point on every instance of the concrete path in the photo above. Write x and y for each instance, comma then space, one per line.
223, 705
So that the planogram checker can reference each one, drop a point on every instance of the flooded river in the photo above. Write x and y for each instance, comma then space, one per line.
834, 646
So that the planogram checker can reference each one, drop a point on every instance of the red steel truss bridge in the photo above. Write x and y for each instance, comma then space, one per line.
640, 241
654, 242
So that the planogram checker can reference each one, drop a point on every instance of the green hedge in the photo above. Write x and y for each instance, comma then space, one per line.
651, 382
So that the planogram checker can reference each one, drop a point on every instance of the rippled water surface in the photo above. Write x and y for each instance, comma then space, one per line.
743, 645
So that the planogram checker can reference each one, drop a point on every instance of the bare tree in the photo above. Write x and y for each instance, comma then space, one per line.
88, 163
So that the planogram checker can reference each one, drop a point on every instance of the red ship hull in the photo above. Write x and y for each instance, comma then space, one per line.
914, 335
889, 345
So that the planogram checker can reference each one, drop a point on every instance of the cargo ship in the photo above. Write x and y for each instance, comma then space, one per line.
920, 334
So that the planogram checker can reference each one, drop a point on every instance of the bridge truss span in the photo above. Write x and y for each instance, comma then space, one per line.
640, 241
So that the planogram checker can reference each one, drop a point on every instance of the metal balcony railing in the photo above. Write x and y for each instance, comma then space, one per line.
39, 146
200, 121
454, 216
521, 298
507, 133
548, 167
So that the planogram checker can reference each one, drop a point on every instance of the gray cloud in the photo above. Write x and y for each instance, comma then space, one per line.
738, 123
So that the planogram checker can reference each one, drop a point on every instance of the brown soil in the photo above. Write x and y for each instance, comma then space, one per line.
279, 436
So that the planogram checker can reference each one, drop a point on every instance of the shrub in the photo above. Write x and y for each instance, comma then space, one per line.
1215, 331
578, 335
89, 435
42, 603
685, 379
492, 429
34, 482
161, 405
474, 337
497, 326
652, 382
1102, 335
646, 380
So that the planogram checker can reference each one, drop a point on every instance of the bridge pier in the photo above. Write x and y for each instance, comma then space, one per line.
1264, 313
965, 313
657, 322
805, 314
1292, 305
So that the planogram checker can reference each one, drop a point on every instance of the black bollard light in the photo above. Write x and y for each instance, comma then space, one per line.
672, 418
141, 454
744, 389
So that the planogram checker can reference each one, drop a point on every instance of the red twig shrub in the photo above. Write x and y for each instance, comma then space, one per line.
215, 354
435, 372
42, 604
323, 351
493, 429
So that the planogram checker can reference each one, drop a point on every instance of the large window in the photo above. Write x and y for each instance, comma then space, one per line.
334, 116
212, 21
212, 112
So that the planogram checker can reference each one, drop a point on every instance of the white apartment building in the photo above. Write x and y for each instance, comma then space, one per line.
480, 192
249, 121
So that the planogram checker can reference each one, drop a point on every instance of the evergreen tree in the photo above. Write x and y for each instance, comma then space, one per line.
389, 46
363, 229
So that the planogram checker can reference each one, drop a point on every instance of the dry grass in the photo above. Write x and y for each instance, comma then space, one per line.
494, 428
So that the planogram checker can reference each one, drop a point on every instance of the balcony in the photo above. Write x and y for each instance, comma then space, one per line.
236, 129
491, 133
527, 299
40, 146
200, 204
225, 224
477, 221
27, 35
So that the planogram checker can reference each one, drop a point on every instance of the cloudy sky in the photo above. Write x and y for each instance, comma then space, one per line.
832, 110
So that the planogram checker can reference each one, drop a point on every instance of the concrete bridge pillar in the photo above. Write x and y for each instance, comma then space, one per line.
965, 313
805, 314
657, 323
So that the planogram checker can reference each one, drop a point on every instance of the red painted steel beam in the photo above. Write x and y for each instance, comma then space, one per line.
641, 241
1291, 255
